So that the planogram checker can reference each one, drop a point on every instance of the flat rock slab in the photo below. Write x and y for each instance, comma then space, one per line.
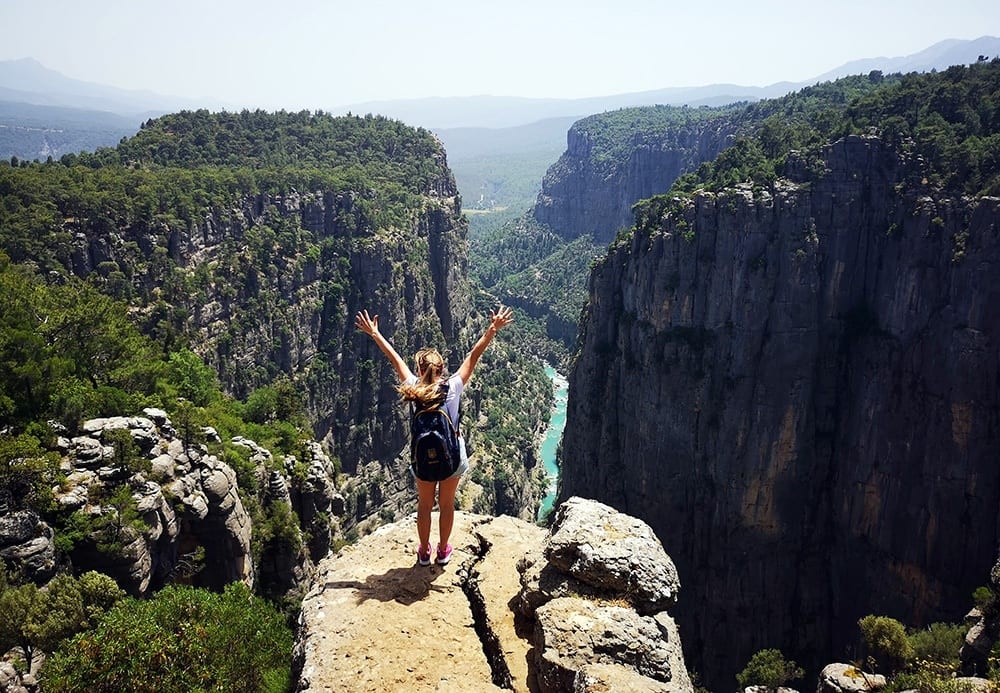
378, 621
506, 539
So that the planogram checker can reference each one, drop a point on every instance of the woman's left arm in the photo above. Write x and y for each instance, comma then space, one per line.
498, 319
369, 325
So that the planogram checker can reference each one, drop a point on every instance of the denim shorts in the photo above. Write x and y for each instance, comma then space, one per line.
463, 466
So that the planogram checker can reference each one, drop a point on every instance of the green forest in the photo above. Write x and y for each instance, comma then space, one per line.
101, 306
949, 119
103, 301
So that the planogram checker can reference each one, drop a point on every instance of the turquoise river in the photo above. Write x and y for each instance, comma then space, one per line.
550, 444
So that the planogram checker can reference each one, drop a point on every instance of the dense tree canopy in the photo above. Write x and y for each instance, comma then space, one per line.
951, 119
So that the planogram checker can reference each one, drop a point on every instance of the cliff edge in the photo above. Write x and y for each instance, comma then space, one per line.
581, 607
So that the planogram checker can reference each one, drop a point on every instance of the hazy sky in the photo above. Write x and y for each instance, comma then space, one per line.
310, 54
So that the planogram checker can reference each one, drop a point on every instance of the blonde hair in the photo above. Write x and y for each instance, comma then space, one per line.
425, 392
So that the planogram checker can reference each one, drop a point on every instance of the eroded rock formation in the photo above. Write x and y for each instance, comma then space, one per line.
583, 194
195, 527
516, 609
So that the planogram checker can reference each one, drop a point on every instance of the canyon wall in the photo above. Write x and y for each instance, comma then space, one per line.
590, 191
797, 388
268, 290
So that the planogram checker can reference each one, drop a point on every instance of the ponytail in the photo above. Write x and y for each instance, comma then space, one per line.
425, 392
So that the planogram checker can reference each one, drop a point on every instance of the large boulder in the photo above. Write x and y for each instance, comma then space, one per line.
614, 553
572, 633
847, 678
597, 591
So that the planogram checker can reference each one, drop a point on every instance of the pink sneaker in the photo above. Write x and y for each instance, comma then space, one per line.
424, 555
443, 555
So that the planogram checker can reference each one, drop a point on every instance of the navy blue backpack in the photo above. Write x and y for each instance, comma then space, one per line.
435, 451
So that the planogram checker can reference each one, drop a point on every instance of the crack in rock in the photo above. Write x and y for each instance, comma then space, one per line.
492, 647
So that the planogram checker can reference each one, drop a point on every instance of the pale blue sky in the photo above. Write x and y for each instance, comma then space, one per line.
296, 54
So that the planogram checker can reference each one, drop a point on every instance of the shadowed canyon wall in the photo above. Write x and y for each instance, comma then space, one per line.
797, 387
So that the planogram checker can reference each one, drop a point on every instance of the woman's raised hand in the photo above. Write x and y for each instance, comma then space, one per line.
501, 317
368, 325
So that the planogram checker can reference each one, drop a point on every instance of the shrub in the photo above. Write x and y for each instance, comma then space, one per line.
41, 619
768, 668
984, 599
886, 640
184, 639
938, 645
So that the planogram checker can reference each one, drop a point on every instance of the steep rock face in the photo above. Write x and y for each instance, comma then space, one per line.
374, 620
26, 541
583, 195
270, 286
797, 389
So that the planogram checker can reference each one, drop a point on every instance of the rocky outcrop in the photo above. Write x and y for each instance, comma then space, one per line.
374, 620
588, 192
195, 526
207, 511
795, 386
984, 629
27, 542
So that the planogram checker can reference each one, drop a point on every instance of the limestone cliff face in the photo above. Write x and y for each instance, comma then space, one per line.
797, 388
584, 194
270, 286
269, 289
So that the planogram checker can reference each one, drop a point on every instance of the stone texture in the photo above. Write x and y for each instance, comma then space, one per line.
10, 680
371, 607
27, 542
607, 678
846, 678
541, 581
614, 553
492, 580
974, 684
799, 398
376, 621
572, 633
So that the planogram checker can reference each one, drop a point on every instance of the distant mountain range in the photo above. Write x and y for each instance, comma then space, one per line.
44, 113
503, 112
28, 81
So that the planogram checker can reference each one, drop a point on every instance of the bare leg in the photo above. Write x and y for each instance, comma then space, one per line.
425, 503
446, 508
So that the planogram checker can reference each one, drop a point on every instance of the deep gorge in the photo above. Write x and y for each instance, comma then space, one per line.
787, 365
800, 396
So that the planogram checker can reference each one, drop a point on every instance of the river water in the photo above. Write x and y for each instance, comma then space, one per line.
557, 422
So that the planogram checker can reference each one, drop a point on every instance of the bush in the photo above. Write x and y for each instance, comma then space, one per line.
984, 599
886, 640
768, 668
39, 619
184, 639
938, 646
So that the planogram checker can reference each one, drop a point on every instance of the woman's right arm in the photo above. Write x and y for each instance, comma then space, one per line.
369, 325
